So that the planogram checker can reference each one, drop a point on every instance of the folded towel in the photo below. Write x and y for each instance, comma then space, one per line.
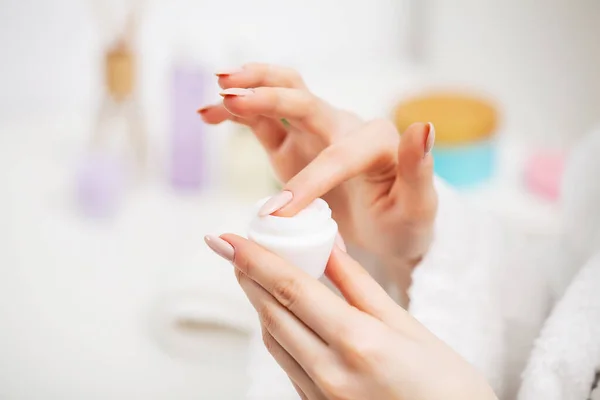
199, 303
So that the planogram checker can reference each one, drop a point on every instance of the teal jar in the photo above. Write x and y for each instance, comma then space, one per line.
466, 164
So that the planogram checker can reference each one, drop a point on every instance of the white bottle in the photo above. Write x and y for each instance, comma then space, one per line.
305, 240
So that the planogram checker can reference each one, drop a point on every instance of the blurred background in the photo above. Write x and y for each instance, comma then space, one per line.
109, 179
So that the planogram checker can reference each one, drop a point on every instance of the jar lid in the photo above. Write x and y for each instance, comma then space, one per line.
314, 218
457, 117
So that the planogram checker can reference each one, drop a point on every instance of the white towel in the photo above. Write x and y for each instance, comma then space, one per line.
566, 356
198, 299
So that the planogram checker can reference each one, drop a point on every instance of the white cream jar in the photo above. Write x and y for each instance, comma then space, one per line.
305, 240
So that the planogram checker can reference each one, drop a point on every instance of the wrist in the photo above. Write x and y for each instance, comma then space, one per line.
400, 271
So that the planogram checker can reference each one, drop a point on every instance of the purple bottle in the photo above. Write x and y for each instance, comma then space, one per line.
188, 160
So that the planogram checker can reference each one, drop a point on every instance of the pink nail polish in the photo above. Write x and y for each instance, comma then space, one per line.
430, 139
237, 92
276, 203
219, 246
228, 71
202, 110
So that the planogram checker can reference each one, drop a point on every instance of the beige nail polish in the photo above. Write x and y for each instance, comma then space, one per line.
430, 139
220, 247
276, 203
237, 92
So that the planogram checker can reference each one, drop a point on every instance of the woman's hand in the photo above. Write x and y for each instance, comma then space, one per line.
379, 187
365, 348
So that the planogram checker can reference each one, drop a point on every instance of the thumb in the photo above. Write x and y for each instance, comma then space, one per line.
414, 188
415, 164
362, 292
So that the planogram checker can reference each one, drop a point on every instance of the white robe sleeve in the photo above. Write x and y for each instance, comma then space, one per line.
453, 292
566, 358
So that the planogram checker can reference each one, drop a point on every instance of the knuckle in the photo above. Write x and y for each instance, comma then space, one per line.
293, 76
314, 104
335, 383
287, 292
239, 275
253, 65
268, 341
350, 119
276, 99
302, 395
267, 318
308, 105
307, 101
387, 140
361, 348
385, 126
242, 263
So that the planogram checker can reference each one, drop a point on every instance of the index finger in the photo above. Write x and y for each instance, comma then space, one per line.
254, 75
371, 148
308, 299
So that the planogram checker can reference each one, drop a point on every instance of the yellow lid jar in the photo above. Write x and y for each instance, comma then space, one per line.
464, 151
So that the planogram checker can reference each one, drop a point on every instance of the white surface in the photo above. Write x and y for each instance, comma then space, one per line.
77, 297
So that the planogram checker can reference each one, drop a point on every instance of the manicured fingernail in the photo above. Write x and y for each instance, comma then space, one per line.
339, 241
228, 71
220, 247
202, 110
430, 139
276, 203
236, 92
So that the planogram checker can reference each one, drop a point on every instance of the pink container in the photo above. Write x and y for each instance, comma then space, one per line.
543, 174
